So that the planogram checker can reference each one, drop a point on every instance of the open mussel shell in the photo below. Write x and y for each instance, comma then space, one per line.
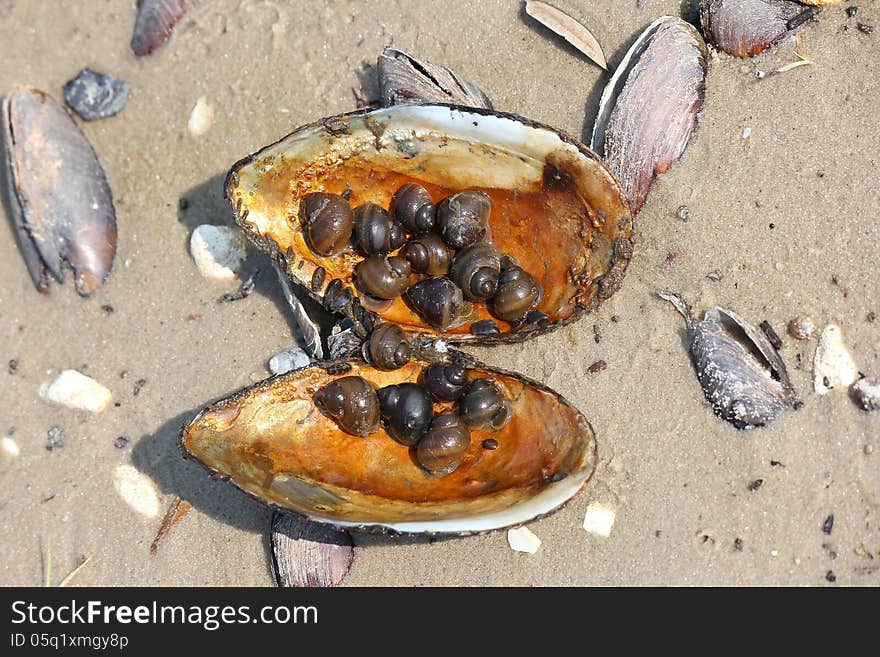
556, 210
742, 375
745, 28
271, 441
61, 204
650, 107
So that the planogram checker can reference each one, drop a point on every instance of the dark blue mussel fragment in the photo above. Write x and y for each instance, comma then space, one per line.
57, 193
96, 95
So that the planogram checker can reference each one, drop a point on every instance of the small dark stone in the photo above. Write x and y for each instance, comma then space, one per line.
183, 203
485, 327
830, 576
597, 334
108, 309
13, 365
772, 226
755, 485
772, 335
490, 444
10, 431
871, 317
120, 442
738, 544
777, 464
55, 438
852, 11
828, 524
615, 318
598, 366
865, 29
715, 275
95, 95
140, 383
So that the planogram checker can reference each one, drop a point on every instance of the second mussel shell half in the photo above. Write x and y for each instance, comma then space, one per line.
745, 28
273, 442
650, 107
556, 210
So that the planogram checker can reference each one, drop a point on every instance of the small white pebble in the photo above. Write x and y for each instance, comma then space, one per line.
218, 251
137, 490
833, 366
201, 117
10, 447
746, 133
292, 358
774, 553
599, 519
522, 539
76, 390
797, 561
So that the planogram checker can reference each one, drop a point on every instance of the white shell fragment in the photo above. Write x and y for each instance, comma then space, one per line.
218, 251
569, 29
9, 448
76, 390
201, 118
867, 393
137, 490
292, 358
599, 519
522, 539
833, 366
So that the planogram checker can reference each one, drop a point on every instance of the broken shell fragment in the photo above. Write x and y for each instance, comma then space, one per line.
61, 204
137, 490
306, 554
77, 391
833, 365
599, 519
555, 209
96, 95
745, 28
569, 29
522, 539
651, 106
866, 392
742, 375
406, 79
270, 441
154, 22
802, 327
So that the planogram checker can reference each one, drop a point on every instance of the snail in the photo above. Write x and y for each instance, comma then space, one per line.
428, 254
445, 382
517, 293
387, 348
352, 402
463, 218
407, 411
412, 206
475, 270
375, 232
440, 451
483, 406
438, 301
327, 221
383, 277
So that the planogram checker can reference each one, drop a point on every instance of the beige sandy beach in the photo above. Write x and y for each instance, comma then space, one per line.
788, 215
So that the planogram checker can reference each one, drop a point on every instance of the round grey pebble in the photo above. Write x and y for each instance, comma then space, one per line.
96, 95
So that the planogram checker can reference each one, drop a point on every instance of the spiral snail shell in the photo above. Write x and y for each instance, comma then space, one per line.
407, 411
483, 406
428, 254
383, 277
374, 230
476, 269
516, 295
445, 382
412, 206
438, 301
352, 402
327, 221
463, 218
447, 440
388, 348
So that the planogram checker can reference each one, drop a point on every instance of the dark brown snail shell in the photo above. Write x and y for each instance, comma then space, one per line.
463, 218
517, 294
388, 348
445, 382
475, 269
383, 277
407, 411
375, 232
438, 301
440, 451
483, 406
327, 221
428, 254
352, 402
413, 207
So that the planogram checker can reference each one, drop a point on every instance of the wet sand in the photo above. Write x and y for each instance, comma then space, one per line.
788, 216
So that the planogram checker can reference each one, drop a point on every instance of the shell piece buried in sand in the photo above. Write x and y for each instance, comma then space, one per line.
650, 107
308, 554
405, 79
742, 375
274, 443
555, 209
154, 23
58, 194
833, 365
866, 392
745, 28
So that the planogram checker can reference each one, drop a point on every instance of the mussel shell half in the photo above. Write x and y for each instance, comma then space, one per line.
555, 208
745, 28
273, 443
650, 107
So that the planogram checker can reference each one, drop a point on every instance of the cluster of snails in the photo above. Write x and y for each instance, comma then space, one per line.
442, 257
406, 410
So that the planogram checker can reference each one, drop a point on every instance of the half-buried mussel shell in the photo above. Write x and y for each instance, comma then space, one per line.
650, 107
272, 442
745, 28
555, 209
60, 201
742, 375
